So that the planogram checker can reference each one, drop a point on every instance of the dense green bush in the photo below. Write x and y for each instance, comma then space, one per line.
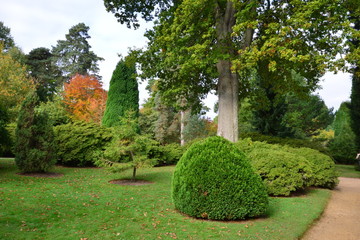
80, 143
292, 142
170, 154
34, 145
214, 180
323, 167
283, 172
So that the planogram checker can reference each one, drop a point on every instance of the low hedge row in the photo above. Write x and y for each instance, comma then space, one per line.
292, 142
285, 169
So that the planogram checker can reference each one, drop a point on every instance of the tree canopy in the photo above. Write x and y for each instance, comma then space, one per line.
5, 37
45, 73
85, 98
198, 46
73, 55
15, 83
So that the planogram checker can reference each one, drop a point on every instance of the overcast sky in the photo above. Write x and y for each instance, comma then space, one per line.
40, 23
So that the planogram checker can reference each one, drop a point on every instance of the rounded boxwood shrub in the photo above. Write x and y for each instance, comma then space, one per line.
214, 180
283, 172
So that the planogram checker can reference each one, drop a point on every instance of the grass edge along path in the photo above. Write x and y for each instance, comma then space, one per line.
83, 204
347, 171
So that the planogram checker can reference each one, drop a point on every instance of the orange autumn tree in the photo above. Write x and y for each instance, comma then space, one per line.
85, 98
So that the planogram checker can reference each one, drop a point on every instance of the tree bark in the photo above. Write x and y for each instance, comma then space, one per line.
182, 127
228, 83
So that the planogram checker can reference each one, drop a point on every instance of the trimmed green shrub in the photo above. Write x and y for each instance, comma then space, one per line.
80, 143
214, 180
283, 172
323, 167
292, 142
34, 145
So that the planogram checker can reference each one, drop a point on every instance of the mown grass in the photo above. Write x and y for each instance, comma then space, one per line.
347, 171
83, 204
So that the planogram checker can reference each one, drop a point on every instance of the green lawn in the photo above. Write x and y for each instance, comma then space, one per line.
347, 171
83, 204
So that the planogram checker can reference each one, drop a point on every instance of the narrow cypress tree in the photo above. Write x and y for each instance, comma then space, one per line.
123, 94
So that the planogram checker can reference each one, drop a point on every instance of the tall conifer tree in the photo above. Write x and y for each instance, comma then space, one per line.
123, 94
355, 90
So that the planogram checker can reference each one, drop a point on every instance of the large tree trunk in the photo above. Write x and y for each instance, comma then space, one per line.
228, 90
228, 85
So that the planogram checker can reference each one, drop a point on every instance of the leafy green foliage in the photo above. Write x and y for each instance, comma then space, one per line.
170, 154
355, 106
35, 149
123, 94
45, 73
5, 37
80, 143
195, 44
5, 140
307, 115
167, 125
323, 167
282, 172
214, 180
292, 142
56, 110
354, 55
285, 169
343, 147
198, 126
15, 83
73, 55
128, 149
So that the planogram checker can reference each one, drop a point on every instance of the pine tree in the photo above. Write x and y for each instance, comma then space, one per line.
34, 144
123, 94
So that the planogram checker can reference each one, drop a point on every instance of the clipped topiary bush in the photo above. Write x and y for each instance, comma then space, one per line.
80, 143
214, 180
323, 167
283, 172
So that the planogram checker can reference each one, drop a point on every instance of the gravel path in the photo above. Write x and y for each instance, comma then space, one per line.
341, 218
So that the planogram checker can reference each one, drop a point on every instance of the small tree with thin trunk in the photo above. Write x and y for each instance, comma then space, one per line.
129, 150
